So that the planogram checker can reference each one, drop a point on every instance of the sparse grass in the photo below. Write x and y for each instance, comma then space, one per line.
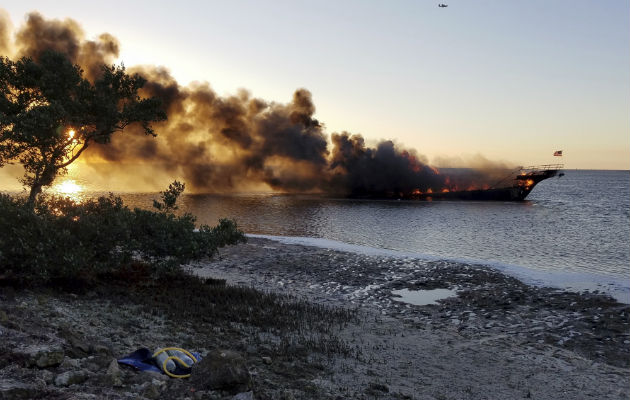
300, 337
186, 297
295, 326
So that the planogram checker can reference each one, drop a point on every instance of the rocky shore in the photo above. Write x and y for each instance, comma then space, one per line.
496, 338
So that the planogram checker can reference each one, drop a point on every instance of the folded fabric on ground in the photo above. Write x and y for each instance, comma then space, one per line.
143, 360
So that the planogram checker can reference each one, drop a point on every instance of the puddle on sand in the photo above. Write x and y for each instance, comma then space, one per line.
422, 297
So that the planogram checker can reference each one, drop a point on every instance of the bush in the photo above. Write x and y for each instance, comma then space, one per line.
63, 240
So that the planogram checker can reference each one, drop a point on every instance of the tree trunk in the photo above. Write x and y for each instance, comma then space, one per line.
35, 190
45, 178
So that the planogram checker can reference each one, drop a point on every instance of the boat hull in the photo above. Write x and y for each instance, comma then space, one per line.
522, 186
515, 187
501, 194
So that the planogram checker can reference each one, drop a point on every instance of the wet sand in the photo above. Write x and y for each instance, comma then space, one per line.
498, 338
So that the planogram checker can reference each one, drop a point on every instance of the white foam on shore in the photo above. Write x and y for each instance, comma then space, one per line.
619, 288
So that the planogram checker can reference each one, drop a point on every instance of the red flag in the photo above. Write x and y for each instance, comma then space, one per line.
557, 153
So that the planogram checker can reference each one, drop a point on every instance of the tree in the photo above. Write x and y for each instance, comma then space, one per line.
49, 113
169, 197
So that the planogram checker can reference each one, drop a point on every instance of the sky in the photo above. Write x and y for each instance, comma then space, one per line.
509, 81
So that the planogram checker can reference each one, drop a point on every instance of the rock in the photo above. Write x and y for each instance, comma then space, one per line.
147, 376
377, 387
42, 300
266, 360
70, 363
39, 384
199, 395
207, 395
287, 395
101, 349
46, 376
158, 383
244, 396
47, 358
113, 374
151, 392
96, 364
77, 347
70, 378
112, 368
17, 391
221, 370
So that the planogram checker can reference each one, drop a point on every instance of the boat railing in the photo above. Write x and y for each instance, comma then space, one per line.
526, 170
543, 167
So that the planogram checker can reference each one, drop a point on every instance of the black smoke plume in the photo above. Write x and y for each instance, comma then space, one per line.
224, 144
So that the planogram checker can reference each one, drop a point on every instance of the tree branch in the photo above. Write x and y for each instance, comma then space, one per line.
74, 157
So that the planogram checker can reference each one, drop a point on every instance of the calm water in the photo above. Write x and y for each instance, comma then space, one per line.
574, 226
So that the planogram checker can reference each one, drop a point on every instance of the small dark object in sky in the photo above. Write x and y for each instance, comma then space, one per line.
441, 5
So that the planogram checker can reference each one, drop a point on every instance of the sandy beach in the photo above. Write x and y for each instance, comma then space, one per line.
496, 338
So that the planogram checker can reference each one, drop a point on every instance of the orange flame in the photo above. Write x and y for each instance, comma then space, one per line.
414, 164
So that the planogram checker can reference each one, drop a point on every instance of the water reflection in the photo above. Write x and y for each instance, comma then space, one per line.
422, 297
571, 224
69, 188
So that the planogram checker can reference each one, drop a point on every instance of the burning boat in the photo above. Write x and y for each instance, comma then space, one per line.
515, 187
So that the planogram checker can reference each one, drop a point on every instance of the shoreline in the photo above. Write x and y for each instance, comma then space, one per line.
495, 326
498, 338
616, 287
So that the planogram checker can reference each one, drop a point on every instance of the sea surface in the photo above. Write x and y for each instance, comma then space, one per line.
572, 232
